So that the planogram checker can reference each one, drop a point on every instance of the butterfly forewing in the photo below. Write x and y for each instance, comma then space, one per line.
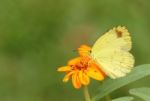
111, 52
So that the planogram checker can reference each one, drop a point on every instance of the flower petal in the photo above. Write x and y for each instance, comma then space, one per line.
84, 50
84, 79
75, 80
67, 76
95, 73
74, 61
64, 69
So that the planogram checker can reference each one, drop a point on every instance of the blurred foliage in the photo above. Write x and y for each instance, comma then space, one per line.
37, 36
110, 85
142, 93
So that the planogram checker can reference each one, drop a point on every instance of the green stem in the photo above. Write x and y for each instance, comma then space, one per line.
86, 93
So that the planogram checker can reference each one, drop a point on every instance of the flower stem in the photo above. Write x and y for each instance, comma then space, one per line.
86, 93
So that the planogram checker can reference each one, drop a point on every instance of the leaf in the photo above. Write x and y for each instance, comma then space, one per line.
143, 93
110, 85
127, 98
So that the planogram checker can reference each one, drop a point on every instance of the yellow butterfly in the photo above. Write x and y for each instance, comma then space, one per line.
111, 52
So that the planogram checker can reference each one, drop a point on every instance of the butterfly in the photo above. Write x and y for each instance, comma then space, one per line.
111, 52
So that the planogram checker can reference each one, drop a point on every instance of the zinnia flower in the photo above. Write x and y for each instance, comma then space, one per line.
82, 68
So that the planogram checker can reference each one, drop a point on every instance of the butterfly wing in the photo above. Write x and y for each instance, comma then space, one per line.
111, 52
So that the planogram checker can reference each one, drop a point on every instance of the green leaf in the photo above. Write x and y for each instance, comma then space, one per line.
110, 85
127, 98
143, 93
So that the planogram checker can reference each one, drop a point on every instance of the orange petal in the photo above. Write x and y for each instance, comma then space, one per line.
84, 79
74, 61
95, 73
75, 80
98, 67
67, 76
64, 69
84, 50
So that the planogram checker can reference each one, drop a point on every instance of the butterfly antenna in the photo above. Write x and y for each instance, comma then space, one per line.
75, 50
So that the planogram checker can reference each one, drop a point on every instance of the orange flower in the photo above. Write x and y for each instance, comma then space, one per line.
84, 50
80, 69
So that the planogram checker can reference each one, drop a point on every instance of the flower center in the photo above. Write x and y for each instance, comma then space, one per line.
82, 64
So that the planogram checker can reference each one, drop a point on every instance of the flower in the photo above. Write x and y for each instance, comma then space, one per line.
82, 68
84, 50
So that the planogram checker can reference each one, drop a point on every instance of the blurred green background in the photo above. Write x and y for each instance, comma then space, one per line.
38, 36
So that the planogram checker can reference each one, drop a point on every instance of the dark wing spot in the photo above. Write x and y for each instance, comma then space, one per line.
119, 33
90, 51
